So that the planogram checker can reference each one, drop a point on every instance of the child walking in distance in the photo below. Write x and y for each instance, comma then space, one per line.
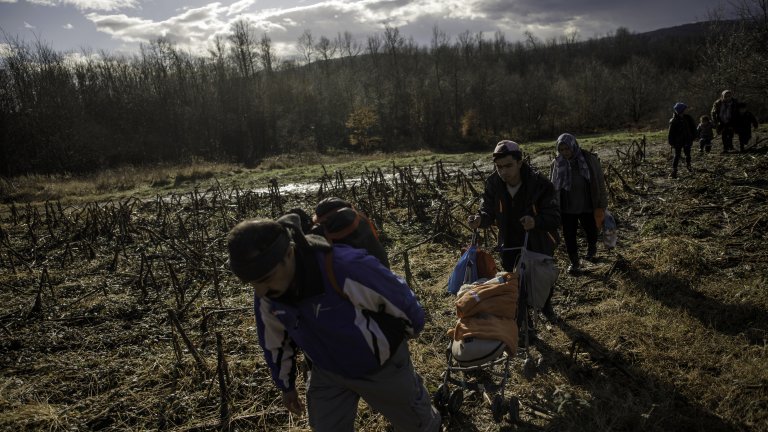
706, 132
350, 316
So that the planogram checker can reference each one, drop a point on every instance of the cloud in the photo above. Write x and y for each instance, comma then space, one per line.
28, 25
7, 1
191, 29
195, 28
68, 26
103, 5
239, 6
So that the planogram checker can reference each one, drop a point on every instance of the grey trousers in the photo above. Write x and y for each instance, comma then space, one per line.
395, 390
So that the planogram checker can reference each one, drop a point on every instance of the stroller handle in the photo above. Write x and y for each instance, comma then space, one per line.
523, 250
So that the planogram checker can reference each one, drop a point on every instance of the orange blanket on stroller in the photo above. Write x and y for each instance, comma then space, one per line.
498, 299
489, 311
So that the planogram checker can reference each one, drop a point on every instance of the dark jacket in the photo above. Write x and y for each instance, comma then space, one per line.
744, 123
729, 110
540, 202
682, 130
705, 131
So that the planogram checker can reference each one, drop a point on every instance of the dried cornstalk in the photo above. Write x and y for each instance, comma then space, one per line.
192, 350
223, 375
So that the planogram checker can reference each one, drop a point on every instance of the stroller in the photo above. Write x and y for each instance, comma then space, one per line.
496, 310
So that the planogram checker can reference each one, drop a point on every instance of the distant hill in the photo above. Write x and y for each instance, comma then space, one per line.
701, 28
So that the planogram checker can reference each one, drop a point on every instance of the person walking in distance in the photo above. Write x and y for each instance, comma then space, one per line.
706, 133
743, 125
681, 133
724, 114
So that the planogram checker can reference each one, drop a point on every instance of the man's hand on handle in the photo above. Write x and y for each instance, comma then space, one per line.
528, 222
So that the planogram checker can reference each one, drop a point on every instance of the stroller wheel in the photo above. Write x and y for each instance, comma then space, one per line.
455, 400
514, 410
497, 408
441, 396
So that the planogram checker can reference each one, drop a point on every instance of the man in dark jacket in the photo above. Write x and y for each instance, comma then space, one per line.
682, 132
519, 200
724, 114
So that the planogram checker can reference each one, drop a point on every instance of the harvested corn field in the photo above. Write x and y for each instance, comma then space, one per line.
121, 314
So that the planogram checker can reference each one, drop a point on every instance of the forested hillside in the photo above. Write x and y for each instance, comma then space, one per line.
242, 102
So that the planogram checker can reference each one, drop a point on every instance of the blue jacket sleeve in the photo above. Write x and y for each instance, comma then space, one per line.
279, 350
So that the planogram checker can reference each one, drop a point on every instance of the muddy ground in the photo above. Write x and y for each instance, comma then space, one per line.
122, 315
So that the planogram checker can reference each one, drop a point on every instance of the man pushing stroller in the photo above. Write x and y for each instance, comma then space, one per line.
519, 201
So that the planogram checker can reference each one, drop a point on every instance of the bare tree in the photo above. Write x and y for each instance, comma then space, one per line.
635, 86
266, 54
531, 41
244, 47
739, 56
374, 44
499, 43
347, 45
325, 48
306, 46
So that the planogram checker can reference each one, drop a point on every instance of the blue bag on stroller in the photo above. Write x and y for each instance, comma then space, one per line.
465, 270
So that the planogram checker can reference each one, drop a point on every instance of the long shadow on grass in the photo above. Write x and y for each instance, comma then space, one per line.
623, 398
676, 293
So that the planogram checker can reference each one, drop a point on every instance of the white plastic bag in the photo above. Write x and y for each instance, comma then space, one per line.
540, 273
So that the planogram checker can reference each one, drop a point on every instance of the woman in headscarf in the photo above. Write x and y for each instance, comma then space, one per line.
578, 177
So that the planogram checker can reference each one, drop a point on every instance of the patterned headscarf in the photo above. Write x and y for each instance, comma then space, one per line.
561, 173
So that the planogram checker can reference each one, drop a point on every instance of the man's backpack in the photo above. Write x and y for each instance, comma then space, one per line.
339, 222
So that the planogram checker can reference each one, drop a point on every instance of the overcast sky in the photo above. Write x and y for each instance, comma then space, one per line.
119, 26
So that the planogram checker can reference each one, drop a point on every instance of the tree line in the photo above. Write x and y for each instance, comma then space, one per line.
242, 102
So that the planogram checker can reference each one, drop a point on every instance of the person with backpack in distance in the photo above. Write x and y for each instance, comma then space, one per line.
518, 200
724, 114
351, 316
578, 177
743, 125
681, 133
339, 222
706, 133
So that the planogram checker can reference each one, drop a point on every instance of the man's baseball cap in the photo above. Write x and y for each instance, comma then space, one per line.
506, 148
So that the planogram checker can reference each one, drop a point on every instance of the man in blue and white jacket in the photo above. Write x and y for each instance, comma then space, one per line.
348, 313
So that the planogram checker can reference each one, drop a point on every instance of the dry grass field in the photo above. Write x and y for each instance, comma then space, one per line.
120, 314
